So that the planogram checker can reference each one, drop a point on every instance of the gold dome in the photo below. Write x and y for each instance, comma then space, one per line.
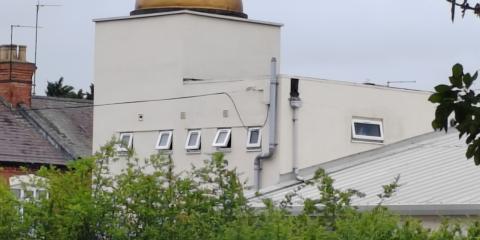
224, 7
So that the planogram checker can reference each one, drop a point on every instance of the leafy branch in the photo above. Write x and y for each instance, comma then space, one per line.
459, 106
464, 6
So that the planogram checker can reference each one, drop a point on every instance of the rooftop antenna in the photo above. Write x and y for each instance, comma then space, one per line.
12, 27
390, 82
38, 6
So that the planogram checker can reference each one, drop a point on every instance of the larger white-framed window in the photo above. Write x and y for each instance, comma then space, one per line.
125, 142
367, 129
254, 137
194, 140
223, 138
164, 141
28, 187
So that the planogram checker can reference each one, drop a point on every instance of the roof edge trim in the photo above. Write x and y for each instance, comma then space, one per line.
99, 20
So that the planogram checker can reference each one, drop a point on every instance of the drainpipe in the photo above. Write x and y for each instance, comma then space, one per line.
272, 123
295, 104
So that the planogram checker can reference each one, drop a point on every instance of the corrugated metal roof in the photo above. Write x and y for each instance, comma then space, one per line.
433, 171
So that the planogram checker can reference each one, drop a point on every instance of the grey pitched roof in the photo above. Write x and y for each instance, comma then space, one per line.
21, 143
435, 177
68, 121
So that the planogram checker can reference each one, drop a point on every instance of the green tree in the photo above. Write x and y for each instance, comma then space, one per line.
57, 89
90, 95
149, 200
458, 107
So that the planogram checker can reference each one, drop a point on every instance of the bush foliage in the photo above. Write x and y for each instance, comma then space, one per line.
148, 200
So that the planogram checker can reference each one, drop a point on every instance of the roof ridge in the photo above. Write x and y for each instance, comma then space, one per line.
60, 99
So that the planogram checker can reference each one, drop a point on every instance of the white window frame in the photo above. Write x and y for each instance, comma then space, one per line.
249, 135
196, 146
168, 146
364, 137
27, 183
121, 148
227, 139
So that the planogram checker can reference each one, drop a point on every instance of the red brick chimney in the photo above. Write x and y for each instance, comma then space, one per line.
15, 75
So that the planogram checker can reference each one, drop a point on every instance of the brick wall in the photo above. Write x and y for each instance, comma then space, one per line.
15, 75
7, 172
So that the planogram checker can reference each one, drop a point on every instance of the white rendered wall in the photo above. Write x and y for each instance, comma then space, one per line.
325, 120
148, 58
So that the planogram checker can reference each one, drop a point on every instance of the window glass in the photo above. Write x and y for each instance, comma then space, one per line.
193, 139
125, 140
368, 129
164, 139
222, 137
254, 136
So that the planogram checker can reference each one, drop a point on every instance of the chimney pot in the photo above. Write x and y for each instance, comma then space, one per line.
22, 53
3, 53
16, 78
13, 54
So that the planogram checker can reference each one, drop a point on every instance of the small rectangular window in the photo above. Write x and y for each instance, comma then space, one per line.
126, 142
254, 138
164, 141
222, 139
194, 138
370, 130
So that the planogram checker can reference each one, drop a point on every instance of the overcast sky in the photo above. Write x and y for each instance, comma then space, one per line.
351, 40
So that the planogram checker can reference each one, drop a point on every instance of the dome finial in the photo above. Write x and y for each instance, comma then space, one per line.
223, 7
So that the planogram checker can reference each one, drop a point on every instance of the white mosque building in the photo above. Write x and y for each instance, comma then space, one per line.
194, 77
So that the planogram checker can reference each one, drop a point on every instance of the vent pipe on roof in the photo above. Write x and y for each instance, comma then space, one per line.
295, 104
272, 123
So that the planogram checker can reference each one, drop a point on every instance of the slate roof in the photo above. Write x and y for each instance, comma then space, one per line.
53, 131
68, 121
20, 142
435, 177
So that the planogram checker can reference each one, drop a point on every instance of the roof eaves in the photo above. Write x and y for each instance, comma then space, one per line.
355, 84
187, 12
59, 99
403, 210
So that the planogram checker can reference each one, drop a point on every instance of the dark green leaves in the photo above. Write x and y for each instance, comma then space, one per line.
460, 101
457, 75
442, 88
457, 70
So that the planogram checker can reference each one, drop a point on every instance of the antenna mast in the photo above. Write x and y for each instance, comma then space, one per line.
390, 82
38, 6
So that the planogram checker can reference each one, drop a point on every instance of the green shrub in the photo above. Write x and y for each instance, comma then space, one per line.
149, 200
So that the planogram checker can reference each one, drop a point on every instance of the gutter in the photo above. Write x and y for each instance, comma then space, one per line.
402, 210
272, 123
